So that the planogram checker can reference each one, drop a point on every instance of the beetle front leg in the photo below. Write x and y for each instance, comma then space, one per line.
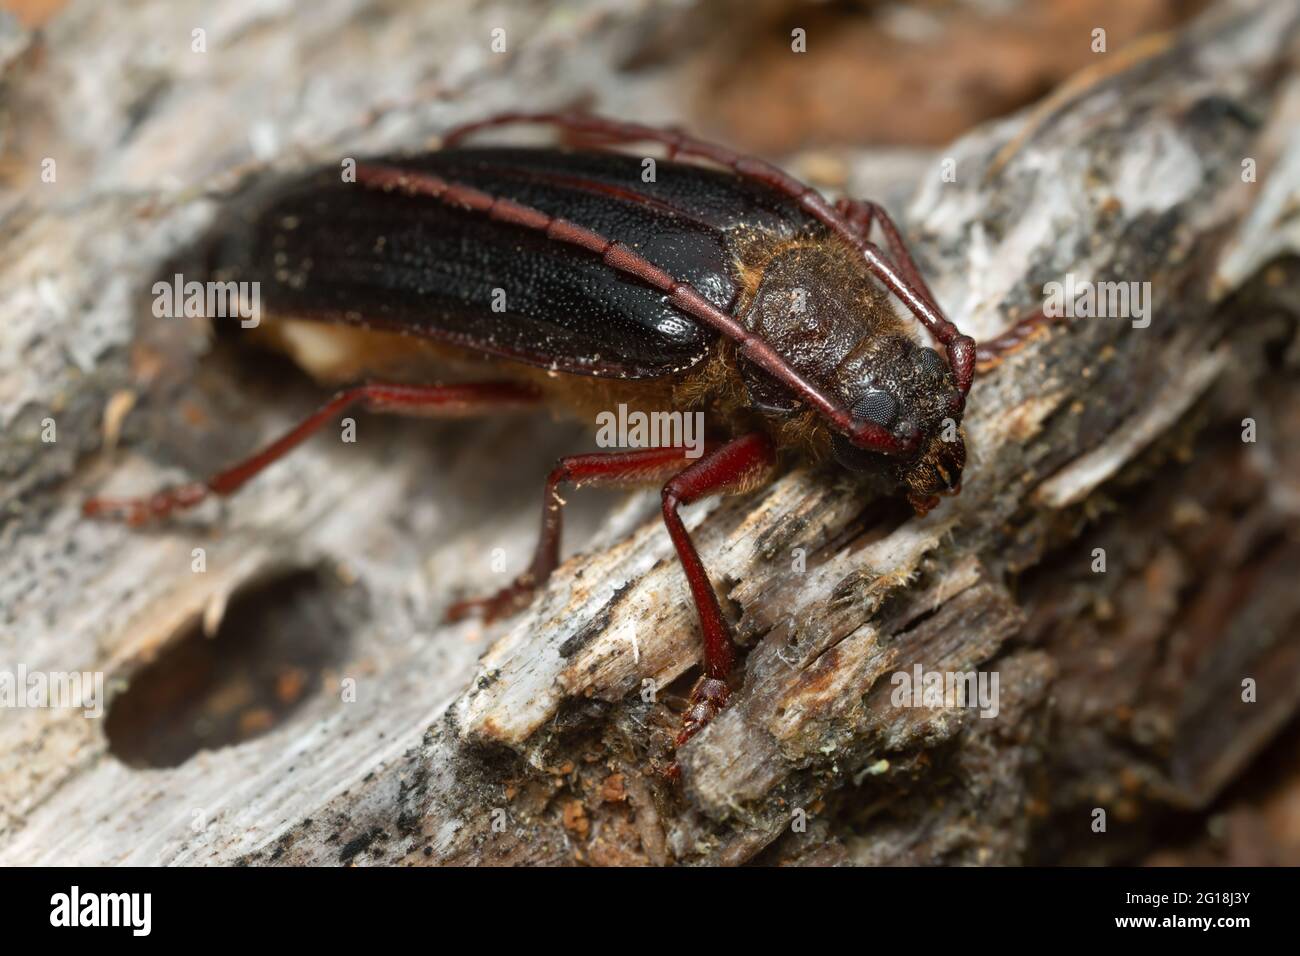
735, 466
624, 468
441, 401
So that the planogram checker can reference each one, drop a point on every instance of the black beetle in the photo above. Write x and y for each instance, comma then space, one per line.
737, 290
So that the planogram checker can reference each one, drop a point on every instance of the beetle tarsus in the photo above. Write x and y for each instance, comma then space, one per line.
708, 697
505, 603
138, 511
707, 700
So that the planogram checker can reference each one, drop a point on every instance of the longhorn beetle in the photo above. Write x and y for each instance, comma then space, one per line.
725, 286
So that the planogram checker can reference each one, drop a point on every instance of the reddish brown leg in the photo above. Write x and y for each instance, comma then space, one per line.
443, 401
861, 214
630, 468
733, 466
992, 352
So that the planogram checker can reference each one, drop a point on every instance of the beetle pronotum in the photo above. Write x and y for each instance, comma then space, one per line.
737, 290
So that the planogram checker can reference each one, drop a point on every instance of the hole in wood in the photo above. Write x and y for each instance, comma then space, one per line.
275, 648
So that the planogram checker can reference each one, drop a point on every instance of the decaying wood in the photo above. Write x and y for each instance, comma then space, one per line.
534, 741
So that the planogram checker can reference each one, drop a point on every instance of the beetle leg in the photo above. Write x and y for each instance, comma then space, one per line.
630, 468
860, 214
734, 466
992, 351
443, 401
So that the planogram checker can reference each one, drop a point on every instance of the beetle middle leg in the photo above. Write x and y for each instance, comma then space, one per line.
442, 401
625, 468
734, 466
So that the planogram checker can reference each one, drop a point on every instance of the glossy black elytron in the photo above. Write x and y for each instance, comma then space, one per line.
322, 248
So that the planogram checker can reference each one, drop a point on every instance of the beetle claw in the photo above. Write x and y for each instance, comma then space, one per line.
708, 697
707, 700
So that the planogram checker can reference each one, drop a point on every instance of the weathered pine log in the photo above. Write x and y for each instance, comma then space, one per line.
533, 741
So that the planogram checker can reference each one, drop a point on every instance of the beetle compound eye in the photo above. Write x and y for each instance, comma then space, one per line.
876, 405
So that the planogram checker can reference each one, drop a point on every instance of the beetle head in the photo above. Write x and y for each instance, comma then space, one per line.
910, 391
837, 329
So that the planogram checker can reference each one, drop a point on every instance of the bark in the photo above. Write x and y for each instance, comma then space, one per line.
533, 741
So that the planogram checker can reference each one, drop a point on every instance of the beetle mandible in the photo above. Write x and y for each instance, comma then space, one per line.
729, 287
